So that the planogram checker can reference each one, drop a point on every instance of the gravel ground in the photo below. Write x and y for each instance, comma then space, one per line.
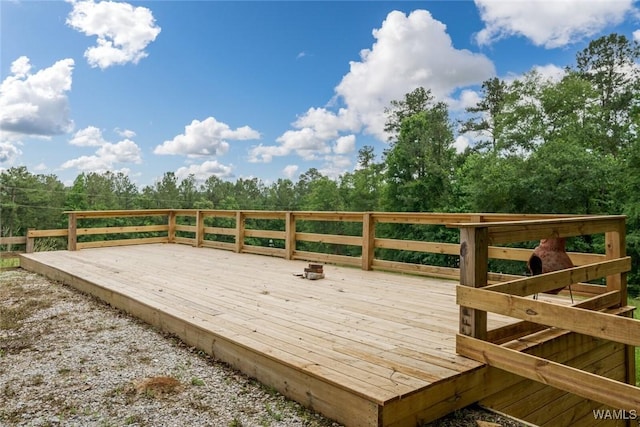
67, 359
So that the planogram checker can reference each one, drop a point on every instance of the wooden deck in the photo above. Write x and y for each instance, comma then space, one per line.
365, 348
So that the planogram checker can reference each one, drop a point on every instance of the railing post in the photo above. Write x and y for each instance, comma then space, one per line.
239, 231
615, 242
72, 238
368, 240
199, 228
290, 235
29, 247
172, 227
474, 257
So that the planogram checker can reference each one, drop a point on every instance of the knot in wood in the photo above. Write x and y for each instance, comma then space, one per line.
463, 249
531, 312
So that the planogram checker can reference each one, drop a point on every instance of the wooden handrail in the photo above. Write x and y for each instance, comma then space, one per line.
240, 227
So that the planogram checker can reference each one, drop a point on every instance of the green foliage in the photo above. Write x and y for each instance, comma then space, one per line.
420, 163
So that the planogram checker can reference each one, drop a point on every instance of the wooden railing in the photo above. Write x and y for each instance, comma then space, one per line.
27, 243
237, 231
598, 316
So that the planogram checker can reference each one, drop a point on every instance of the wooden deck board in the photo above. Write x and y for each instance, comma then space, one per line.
366, 337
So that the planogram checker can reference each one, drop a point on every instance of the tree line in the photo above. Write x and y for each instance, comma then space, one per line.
541, 145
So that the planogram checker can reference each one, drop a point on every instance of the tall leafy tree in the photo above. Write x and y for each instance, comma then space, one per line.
281, 195
414, 102
167, 194
487, 122
420, 164
361, 189
92, 191
188, 192
610, 64
29, 201
125, 191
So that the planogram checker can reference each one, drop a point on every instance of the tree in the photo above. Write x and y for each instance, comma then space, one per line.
522, 120
249, 193
281, 195
420, 163
610, 64
414, 102
167, 195
188, 192
568, 110
29, 201
92, 191
125, 191
361, 189
490, 106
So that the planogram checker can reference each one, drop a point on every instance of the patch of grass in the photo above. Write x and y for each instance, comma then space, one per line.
133, 419
34, 380
9, 262
273, 413
26, 302
235, 423
197, 382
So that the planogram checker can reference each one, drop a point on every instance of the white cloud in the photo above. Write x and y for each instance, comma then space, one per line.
410, 51
290, 171
203, 171
125, 133
21, 67
40, 167
36, 104
9, 152
548, 23
108, 154
636, 35
125, 151
345, 144
205, 138
123, 31
550, 72
88, 137
335, 165
467, 98
461, 143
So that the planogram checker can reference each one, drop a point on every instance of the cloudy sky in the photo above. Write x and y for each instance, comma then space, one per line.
257, 89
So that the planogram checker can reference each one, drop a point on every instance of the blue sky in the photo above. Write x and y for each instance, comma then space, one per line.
257, 89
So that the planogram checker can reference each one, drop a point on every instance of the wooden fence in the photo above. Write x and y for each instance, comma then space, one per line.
235, 233
598, 316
